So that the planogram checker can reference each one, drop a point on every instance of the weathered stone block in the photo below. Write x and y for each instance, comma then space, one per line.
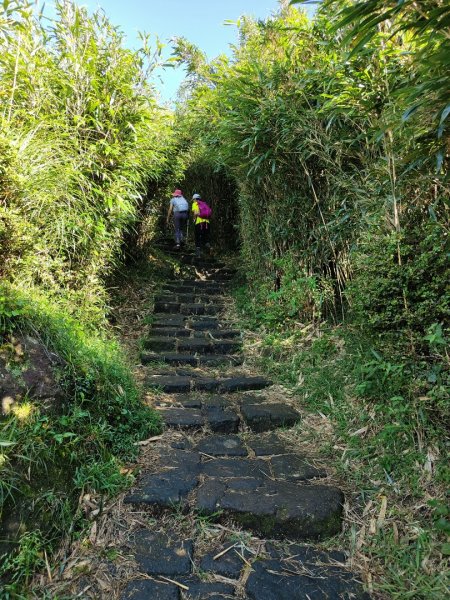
264, 417
160, 344
268, 581
183, 418
235, 384
170, 385
201, 590
157, 554
222, 445
294, 468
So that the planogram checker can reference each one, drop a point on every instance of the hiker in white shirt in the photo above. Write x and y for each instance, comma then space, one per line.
180, 208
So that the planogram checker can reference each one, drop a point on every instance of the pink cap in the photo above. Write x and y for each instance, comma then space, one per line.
177, 193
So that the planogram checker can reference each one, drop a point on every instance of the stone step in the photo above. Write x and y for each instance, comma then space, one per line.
194, 322
223, 421
179, 384
200, 309
262, 417
169, 332
164, 320
199, 284
268, 416
206, 346
167, 307
269, 580
187, 309
190, 298
295, 572
279, 509
264, 497
178, 358
208, 323
192, 346
212, 334
160, 344
237, 384
192, 289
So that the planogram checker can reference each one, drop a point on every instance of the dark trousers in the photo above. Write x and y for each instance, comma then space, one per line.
201, 235
180, 220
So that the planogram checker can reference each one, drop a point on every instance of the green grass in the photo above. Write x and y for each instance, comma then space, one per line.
50, 458
387, 411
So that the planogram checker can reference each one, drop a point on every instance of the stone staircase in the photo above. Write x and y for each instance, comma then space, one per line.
229, 466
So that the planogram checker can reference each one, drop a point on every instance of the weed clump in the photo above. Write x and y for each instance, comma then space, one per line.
52, 457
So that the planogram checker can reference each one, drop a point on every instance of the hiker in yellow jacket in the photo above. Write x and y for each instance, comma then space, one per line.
202, 213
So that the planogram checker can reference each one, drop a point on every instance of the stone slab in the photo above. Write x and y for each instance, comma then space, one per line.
276, 509
164, 298
167, 307
222, 445
214, 402
206, 384
235, 384
164, 320
294, 468
264, 417
223, 334
169, 358
270, 580
208, 496
226, 346
305, 554
160, 344
268, 445
174, 332
228, 565
236, 467
188, 401
189, 460
157, 554
186, 298
183, 418
164, 490
194, 345
192, 309
222, 421
216, 360
202, 590
203, 324
170, 385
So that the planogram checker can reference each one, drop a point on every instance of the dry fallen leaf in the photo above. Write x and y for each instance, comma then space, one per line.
359, 431
382, 513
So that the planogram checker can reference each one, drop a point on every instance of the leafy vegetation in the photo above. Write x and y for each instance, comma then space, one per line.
323, 147
82, 138
50, 457
334, 131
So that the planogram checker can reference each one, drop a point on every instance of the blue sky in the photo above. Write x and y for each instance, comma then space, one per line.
200, 21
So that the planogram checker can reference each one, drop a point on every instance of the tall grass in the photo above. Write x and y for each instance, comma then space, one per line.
81, 140
336, 134
82, 136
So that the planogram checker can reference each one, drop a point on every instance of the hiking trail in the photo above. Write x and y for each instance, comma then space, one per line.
224, 506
